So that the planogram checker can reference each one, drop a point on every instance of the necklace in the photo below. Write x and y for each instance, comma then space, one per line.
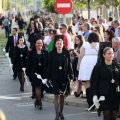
21, 50
111, 70
60, 65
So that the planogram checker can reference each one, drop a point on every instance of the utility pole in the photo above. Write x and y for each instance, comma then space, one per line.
88, 9
35, 5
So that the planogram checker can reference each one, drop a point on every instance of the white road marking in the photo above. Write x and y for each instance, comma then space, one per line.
63, 5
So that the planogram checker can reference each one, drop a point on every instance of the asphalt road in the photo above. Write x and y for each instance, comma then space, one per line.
24, 109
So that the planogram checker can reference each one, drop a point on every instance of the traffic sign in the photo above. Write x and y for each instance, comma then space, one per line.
63, 6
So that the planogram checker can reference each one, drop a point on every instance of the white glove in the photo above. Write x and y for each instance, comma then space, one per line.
44, 81
95, 101
3, 49
71, 80
11, 65
24, 69
6, 54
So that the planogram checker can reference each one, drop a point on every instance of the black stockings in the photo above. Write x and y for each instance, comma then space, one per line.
58, 100
38, 95
109, 115
22, 80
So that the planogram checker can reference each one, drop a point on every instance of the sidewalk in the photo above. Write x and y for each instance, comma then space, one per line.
70, 100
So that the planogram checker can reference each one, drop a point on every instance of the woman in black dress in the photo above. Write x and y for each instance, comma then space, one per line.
78, 43
20, 58
37, 63
59, 72
104, 82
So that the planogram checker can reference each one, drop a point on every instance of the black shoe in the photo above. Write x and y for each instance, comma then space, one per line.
78, 95
21, 89
118, 116
61, 116
14, 78
33, 96
40, 105
36, 104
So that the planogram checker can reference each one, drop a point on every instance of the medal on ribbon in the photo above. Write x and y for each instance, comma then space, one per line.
39, 59
21, 55
60, 66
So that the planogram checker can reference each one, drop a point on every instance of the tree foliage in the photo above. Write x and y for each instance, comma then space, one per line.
49, 6
5, 5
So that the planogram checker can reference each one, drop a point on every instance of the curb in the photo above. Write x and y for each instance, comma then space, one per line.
70, 100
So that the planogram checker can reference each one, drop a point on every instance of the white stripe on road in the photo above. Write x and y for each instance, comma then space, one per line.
63, 5
25, 105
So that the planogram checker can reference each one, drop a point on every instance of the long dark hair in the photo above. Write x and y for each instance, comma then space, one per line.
111, 34
37, 37
81, 39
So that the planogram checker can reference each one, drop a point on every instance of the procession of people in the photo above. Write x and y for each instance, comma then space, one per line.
54, 55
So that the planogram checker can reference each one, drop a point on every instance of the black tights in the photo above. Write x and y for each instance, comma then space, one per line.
58, 101
38, 95
21, 79
109, 115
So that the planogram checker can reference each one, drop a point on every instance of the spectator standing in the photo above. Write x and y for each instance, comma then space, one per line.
116, 46
67, 38
88, 58
116, 24
79, 40
86, 30
6, 24
20, 23
109, 35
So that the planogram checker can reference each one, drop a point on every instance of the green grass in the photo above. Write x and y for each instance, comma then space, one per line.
3, 41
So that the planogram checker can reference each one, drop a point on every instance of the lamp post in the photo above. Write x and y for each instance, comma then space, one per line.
88, 9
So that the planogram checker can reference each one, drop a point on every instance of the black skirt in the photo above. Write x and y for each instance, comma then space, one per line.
111, 100
60, 87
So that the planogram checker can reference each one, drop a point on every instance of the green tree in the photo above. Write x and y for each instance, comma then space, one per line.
5, 5
49, 6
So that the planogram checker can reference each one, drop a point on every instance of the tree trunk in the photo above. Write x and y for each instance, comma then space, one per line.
116, 12
105, 12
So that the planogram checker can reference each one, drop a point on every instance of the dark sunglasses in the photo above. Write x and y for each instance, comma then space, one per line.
61, 28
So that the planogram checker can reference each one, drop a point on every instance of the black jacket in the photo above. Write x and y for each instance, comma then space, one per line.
31, 67
18, 61
10, 47
101, 79
53, 66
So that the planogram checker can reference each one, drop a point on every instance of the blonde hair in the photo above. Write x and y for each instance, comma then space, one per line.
2, 116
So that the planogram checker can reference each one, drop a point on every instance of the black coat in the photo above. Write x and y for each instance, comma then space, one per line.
21, 23
31, 67
53, 66
18, 61
101, 79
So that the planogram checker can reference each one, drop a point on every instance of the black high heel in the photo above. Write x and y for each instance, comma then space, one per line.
81, 94
36, 104
21, 89
78, 95
40, 105
61, 116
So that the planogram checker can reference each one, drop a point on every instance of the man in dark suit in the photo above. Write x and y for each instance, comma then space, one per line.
11, 43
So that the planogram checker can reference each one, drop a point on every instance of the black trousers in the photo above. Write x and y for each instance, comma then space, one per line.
7, 31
